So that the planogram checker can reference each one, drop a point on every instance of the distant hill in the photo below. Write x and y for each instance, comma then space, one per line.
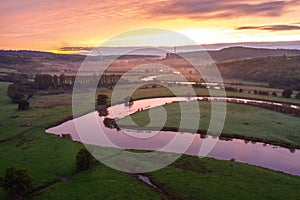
279, 67
26, 61
237, 53
278, 71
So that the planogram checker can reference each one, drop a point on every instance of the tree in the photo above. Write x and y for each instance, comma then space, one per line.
16, 181
111, 123
102, 99
12, 89
102, 111
62, 80
84, 160
55, 81
43, 81
14, 93
287, 93
23, 105
274, 94
17, 97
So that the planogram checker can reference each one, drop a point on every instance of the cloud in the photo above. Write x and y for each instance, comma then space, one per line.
203, 9
43, 24
270, 27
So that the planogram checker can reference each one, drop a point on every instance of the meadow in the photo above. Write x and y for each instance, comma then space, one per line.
51, 162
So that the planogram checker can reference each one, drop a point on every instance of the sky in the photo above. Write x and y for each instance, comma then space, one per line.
55, 25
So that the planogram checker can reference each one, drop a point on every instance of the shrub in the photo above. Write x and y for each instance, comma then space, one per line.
16, 181
287, 93
84, 160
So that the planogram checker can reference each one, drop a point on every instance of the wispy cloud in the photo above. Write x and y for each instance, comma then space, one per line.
270, 27
203, 9
45, 24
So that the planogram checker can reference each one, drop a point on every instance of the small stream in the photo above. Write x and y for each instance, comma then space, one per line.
146, 180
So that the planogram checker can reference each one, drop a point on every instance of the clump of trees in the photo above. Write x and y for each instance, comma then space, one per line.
20, 92
111, 123
102, 99
101, 105
16, 182
15, 93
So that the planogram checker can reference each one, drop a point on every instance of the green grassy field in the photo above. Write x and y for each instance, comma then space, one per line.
193, 178
243, 120
48, 157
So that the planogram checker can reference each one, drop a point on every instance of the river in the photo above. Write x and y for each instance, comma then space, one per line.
259, 154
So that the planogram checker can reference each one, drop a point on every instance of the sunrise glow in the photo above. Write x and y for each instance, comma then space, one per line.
53, 25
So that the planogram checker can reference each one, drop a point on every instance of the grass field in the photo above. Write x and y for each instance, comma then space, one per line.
48, 157
243, 120
193, 178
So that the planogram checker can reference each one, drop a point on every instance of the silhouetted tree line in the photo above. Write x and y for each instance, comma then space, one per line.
285, 108
46, 81
199, 85
231, 89
22, 88
262, 92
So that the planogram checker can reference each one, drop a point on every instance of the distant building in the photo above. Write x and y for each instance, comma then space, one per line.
172, 56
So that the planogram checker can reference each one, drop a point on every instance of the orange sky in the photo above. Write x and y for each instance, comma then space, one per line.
53, 24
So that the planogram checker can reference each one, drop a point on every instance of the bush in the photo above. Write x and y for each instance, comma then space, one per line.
287, 93
84, 160
16, 181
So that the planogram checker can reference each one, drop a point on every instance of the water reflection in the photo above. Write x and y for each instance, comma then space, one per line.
256, 153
